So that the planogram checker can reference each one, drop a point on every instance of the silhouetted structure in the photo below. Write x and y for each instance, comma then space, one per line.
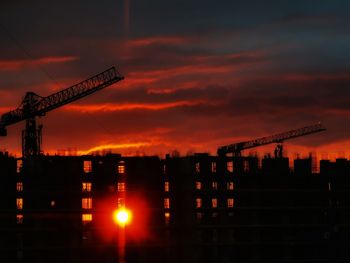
236, 148
65, 206
198, 208
224, 209
303, 167
34, 106
8, 233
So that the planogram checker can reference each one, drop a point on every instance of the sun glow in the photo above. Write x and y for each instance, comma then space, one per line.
122, 216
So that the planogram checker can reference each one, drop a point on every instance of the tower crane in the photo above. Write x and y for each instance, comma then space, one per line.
34, 106
236, 148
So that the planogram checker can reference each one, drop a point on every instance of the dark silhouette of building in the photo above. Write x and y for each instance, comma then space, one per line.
8, 231
65, 207
274, 214
198, 208
303, 166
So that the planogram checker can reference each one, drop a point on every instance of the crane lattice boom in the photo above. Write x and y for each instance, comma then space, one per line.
236, 148
34, 105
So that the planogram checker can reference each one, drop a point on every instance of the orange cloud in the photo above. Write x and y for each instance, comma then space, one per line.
162, 74
13, 65
132, 106
4, 109
136, 81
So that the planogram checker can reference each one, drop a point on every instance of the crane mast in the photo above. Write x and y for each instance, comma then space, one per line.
34, 106
236, 148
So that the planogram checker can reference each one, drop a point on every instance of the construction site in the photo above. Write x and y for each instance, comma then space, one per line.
198, 208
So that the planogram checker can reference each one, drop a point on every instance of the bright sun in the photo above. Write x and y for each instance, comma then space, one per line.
122, 216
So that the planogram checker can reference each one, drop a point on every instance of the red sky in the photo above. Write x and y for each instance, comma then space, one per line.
195, 77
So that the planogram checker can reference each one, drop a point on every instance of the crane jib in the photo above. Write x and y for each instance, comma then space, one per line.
58, 99
236, 148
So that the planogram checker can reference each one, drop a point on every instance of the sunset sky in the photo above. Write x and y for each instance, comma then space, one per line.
198, 74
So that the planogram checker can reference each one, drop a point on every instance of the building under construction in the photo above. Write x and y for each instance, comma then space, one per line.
198, 208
